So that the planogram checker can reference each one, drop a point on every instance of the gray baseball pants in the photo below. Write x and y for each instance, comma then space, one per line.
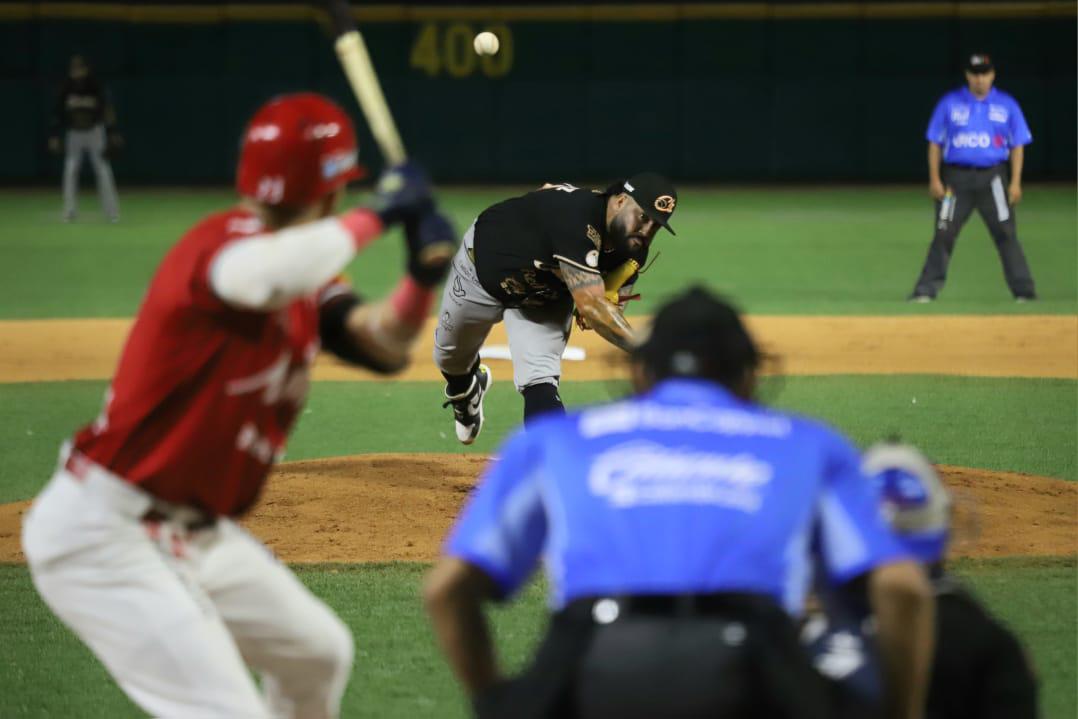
92, 143
986, 190
537, 335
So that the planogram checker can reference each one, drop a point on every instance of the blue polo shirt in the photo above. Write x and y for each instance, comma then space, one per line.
684, 489
978, 133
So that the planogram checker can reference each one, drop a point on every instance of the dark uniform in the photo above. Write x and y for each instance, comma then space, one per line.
85, 117
979, 671
508, 269
976, 137
520, 243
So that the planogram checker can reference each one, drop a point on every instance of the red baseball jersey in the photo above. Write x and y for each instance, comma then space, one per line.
205, 394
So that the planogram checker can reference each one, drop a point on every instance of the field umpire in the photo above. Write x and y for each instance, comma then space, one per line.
677, 528
974, 130
527, 261
85, 116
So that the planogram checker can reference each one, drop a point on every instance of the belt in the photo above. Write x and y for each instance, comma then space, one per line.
605, 610
975, 168
131, 500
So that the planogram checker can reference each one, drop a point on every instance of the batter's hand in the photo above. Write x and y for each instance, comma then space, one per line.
432, 242
403, 193
936, 189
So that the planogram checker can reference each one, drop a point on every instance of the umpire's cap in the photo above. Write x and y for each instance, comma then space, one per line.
655, 194
697, 334
915, 502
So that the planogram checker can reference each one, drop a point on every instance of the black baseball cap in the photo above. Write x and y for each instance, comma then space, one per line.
697, 334
979, 63
655, 194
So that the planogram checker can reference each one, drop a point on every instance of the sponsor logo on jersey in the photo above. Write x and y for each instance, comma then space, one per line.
971, 139
592, 258
997, 113
635, 474
338, 163
594, 236
665, 203
960, 114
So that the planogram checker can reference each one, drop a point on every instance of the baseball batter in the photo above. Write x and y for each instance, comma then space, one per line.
132, 543
85, 116
528, 261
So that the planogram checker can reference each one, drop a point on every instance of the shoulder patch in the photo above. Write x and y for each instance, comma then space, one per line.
594, 236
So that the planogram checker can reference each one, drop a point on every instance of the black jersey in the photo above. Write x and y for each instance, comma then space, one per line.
979, 670
521, 242
81, 105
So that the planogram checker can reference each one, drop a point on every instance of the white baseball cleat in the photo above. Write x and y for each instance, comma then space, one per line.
468, 406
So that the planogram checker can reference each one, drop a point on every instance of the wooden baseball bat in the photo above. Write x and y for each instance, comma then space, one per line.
356, 61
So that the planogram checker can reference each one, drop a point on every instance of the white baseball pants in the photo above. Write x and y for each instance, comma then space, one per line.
92, 143
177, 616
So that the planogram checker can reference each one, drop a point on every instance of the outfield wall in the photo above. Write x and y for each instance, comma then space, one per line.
741, 92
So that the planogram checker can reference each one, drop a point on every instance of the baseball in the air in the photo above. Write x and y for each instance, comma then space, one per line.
485, 43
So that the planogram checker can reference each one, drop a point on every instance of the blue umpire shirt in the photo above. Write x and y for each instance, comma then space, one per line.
684, 489
977, 133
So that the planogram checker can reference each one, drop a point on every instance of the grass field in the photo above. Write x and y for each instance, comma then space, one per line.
828, 251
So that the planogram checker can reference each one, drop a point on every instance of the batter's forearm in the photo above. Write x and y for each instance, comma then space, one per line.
934, 156
1018, 159
387, 330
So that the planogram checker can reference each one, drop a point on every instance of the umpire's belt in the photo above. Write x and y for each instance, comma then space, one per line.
126, 498
975, 168
605, 610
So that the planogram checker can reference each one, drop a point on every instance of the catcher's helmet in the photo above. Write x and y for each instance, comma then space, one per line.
297, 149
915, 502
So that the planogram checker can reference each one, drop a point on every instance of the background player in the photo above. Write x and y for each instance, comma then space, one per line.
677, 528
132, 543
979, 668
528, 261
974, 130
85, 116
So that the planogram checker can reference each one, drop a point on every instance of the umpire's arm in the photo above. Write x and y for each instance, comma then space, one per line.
904, 607
454, 594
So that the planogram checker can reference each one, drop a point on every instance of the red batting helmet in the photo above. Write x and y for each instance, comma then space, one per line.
297, 149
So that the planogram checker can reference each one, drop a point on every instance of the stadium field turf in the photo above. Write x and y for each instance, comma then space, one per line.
775, 251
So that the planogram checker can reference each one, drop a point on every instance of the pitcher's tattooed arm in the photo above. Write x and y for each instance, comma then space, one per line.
601, 314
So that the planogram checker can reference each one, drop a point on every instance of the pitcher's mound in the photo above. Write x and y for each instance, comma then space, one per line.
398, 507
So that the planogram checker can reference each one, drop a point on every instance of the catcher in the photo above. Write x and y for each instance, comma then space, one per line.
532, 261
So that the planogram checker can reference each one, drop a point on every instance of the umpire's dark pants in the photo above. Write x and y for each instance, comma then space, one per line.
727, 656
986, 190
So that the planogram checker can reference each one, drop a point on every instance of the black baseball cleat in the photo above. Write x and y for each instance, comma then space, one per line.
920, 299
1020, 299
468, 406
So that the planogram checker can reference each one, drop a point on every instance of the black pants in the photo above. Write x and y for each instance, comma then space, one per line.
986, 190
734, 659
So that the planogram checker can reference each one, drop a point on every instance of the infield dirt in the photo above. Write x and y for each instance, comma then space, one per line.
389, 507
